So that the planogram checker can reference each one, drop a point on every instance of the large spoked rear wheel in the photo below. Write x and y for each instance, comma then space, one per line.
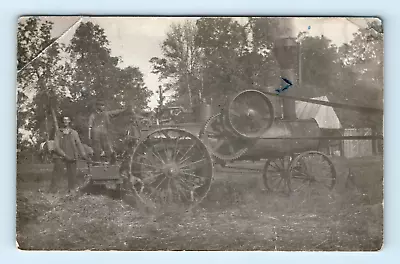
171, 167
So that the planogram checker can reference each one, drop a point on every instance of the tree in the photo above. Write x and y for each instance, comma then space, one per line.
319, 66
362, 72
50, 89
96, 76
38, 76
224, 42
22, 117
70, 85
181, 65
33, 37
95, 70
214, 58
364, 55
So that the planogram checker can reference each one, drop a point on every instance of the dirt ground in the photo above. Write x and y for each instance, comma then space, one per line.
237, 214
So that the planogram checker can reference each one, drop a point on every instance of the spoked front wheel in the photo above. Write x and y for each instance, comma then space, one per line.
312, 173
276, 175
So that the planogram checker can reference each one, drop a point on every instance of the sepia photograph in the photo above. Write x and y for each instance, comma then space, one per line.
199, 133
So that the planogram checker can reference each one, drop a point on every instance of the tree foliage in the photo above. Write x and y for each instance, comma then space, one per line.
39, 76
182, 62
361, 74
234, 56
69, 79
202, 61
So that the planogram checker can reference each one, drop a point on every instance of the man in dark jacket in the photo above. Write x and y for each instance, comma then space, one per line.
67, 149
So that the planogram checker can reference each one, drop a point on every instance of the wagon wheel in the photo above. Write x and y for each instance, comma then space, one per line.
171, 167
250, 114
312, 173
276, 175
222, 143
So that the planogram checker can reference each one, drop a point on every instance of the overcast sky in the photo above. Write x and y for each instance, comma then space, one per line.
137, 39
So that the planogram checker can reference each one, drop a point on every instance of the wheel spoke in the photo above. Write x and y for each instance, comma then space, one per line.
179, 188
326, 178
276, 176
191, 164
273, 175
176, 150
163, 143
314, 171
184, 183
193, 175
279, 183
273, 171
298, 188
306, 176
153, 151
184, 155
157, 156
160, 183
281, 162
145, 157
152, 177
149, 148
172, 149
181, 161
148, 165
276, 166
170, 193
136, 172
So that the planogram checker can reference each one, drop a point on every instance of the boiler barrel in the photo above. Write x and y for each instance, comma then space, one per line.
266, 147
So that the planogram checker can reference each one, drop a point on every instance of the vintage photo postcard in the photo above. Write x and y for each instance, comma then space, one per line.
200, 133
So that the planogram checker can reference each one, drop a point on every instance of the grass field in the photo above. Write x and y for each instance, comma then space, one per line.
237, 214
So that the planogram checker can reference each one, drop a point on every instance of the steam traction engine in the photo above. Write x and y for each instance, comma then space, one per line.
248, 130
171, 162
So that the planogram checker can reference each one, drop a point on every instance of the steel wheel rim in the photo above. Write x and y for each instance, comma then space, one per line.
174, 170
275, 175
317, 179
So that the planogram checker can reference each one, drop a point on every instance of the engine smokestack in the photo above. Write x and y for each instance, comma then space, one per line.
285, 50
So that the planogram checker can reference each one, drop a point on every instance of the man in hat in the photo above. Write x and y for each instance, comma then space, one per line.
67, 149
99, 124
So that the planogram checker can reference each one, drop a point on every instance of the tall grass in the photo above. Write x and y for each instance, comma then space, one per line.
237, 214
